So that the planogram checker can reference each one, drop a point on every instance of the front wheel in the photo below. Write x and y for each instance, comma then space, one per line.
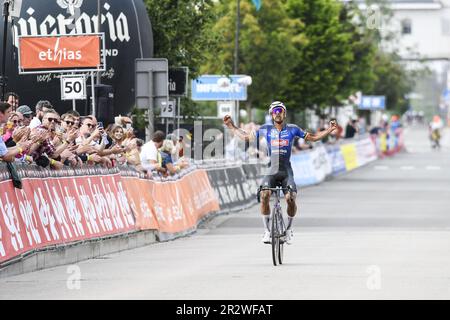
280, 251
275, 239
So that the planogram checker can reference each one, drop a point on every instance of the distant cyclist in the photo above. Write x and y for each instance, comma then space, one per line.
435, 128
279, 137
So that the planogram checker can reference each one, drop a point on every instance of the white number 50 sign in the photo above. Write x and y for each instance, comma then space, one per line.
73, 88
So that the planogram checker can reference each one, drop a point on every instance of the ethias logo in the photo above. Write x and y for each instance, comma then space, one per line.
60, 54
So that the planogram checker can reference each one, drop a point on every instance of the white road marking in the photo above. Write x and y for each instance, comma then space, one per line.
408, 168
381, 168
433, 168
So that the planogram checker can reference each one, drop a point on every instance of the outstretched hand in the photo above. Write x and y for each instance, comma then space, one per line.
228, 122
333, 126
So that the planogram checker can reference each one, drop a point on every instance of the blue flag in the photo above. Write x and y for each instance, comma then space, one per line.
257, 4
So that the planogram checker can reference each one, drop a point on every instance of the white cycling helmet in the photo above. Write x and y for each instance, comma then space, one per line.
276, 104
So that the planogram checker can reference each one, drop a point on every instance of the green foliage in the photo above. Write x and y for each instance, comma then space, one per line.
182, 31
393, 81
308, 53
326, 57
266, 51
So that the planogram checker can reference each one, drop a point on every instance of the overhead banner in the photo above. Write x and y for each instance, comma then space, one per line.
52, 53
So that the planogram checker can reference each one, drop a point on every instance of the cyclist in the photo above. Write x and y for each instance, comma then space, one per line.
435, 128
279, 137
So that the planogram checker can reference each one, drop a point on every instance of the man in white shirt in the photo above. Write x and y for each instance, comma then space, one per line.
41, 107
150, 157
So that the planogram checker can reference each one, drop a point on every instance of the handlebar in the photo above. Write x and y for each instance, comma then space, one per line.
258, 194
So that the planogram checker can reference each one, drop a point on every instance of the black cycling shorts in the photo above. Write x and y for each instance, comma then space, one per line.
283, 178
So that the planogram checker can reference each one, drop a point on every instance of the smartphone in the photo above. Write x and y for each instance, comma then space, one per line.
100, 125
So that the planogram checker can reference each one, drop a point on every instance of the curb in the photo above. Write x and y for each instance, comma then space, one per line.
76, 252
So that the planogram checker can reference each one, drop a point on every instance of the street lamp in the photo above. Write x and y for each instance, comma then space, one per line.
3, 78
10, 7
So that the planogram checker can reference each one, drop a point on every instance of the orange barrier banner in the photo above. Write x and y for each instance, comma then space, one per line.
138, 195
53, 211
172, 206
56, 211
60, 52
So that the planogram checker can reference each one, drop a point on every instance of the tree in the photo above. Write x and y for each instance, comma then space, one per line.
267, 47
325, 59
393, 81
182, 31
363, 43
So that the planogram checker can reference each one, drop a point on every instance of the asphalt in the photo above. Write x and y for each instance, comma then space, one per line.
379, 232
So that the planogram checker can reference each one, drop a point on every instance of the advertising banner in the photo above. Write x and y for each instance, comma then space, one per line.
366, 151
59, 53
350, 156
303, 167
60, 210
336, 159
321, 163
54, 211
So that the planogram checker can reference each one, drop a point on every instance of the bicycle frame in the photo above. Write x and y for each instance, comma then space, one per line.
278, 229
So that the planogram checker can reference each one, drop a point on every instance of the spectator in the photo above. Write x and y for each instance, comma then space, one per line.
41, 107
116, 137
27, 114
67, 122
13, 99
167, 163
337, 134
351, 129
15, 120
150, 157
361, 125
133, 157
9, 154
45, 151
76, 117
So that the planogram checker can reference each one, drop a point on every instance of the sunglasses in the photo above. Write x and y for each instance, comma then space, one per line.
28, 116
53, 120
90, 125
69, 123
277, 110
17, 121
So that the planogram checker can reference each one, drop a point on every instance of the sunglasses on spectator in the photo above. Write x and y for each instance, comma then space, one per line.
69, 123
17, 121
28, 116
53, 120
277, 110
90, 125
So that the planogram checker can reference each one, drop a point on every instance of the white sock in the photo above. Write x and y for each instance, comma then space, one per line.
289, 224
266, 221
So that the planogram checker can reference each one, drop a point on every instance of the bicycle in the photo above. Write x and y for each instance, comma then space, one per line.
278, 227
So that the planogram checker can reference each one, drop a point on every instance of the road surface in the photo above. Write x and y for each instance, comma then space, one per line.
380, 232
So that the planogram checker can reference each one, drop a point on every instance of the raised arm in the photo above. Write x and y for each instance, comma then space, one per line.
240, 133
322, 134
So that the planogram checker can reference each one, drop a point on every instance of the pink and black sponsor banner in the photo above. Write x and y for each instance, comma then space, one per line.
53, 211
